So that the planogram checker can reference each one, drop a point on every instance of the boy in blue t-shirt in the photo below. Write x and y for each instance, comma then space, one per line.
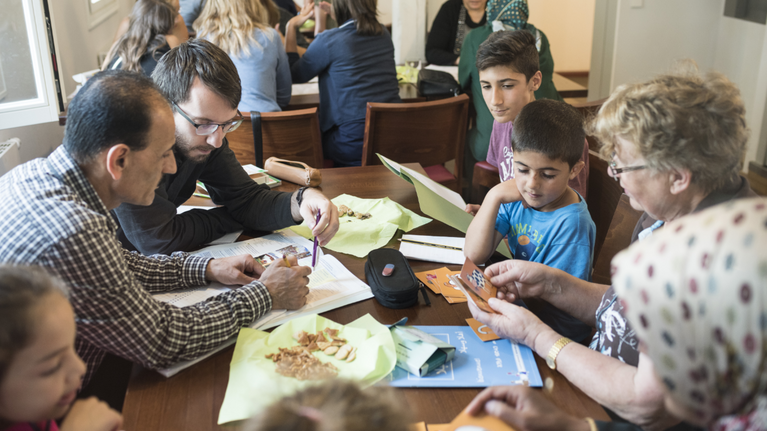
546, 220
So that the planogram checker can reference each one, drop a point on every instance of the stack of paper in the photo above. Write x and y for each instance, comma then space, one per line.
331, 285
441, 249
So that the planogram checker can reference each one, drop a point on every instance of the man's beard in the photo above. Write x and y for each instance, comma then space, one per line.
184, 148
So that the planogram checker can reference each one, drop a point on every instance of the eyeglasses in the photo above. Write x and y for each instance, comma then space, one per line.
616, 171
207, 129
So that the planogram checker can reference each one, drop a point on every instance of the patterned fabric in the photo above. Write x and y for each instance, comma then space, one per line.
615, 336
696, 293
512, 13
51, 216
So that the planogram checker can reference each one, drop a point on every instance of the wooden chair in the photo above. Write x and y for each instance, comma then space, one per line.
618, 238
429, 133
292, 135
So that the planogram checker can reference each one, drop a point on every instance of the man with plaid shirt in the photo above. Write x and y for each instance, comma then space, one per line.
117, 145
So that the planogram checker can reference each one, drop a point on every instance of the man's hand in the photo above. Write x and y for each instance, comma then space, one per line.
525, 409
326, 228
91, 415
513, 322
239, 270
287, 286
519, 279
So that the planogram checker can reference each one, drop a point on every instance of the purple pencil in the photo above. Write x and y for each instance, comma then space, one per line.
314, 249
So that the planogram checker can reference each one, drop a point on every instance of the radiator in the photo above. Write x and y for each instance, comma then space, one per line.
9, 155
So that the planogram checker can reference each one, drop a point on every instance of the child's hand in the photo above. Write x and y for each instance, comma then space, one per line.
91, 415
472, 209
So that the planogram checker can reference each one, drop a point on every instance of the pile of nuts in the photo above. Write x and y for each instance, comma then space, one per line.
299, 362
344, 210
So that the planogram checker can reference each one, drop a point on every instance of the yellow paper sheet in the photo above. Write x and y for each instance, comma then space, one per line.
253, 383
359, 237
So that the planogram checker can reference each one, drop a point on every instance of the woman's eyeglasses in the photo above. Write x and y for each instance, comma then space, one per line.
615, 171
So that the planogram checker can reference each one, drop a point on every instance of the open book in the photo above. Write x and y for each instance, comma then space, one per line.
331, 285
438, 201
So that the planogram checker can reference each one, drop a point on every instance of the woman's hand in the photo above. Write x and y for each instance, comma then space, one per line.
525, 409
328, 9
515, 323
519, 279
306, 13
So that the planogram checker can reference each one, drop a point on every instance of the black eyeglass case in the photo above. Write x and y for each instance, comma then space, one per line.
400, 289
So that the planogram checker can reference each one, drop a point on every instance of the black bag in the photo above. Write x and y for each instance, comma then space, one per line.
400, 289
436, 83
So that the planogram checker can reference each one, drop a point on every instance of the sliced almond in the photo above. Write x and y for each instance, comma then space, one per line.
343, 352
330, 350
352, 355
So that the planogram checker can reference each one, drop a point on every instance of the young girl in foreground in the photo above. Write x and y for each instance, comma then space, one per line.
40, 372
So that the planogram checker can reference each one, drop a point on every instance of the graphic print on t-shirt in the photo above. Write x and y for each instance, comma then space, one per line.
506, 164
526, 241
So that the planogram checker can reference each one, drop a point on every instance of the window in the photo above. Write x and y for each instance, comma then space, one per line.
29, 83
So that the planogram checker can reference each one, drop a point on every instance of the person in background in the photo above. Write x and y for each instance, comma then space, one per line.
696, 292
241, 28
289, 5
455, 19
501, 15
40, 372
336, 405
278, 19
147, 39
355, 63
179, 26
675, 143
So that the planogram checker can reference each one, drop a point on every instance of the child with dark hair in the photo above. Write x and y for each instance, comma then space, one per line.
337, 405
546, 220
40, 372
509, 75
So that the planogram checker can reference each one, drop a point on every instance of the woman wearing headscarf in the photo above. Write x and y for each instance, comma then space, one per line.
501, 15
455, 19
675, 143
696, 292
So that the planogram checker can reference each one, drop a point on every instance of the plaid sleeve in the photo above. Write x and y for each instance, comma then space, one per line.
159, 273
115, 313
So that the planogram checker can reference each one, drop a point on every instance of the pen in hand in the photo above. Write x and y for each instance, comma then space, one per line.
285, 259
314, 249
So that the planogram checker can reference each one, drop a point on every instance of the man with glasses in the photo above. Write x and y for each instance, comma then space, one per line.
118, 144
203, 86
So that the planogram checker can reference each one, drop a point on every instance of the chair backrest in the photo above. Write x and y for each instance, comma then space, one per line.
292, 135
618, 238
429, 133
602, 198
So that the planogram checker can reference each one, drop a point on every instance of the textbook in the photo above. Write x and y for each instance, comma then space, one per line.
331, 284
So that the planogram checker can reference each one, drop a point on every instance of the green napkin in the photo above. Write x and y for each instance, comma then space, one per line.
359, 237
253, 383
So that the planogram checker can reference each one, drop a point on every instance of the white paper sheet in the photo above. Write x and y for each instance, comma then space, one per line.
433, 254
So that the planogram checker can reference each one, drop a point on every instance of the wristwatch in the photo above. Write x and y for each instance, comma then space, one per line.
300, 196
551, 358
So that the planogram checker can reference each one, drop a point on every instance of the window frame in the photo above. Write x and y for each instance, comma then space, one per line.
49, 102
99, 11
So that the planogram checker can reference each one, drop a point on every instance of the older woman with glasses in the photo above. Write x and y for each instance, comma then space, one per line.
675, 144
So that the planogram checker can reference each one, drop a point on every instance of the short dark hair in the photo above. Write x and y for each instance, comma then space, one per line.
551, 128
20, 290
364, 11
514, 49
114, 106
197, 58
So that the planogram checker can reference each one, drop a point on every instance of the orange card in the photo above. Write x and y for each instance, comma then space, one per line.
483, 331
419, 426
437, 427
449, 289
429, 278
484, 422
456, 300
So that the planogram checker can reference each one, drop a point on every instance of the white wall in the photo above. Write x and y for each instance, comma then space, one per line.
648, 40
77, 48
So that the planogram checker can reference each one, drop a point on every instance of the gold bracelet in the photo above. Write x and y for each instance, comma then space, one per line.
592, 424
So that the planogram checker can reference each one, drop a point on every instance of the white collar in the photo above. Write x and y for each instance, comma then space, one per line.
349, 22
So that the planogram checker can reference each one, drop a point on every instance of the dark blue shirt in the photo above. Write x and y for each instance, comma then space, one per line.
353, 70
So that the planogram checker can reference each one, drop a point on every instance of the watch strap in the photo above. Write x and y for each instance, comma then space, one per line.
551, 358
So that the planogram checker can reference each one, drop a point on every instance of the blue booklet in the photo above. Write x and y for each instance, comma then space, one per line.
476, 364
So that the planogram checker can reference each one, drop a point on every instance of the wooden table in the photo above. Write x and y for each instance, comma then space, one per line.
407, 92
192, 399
